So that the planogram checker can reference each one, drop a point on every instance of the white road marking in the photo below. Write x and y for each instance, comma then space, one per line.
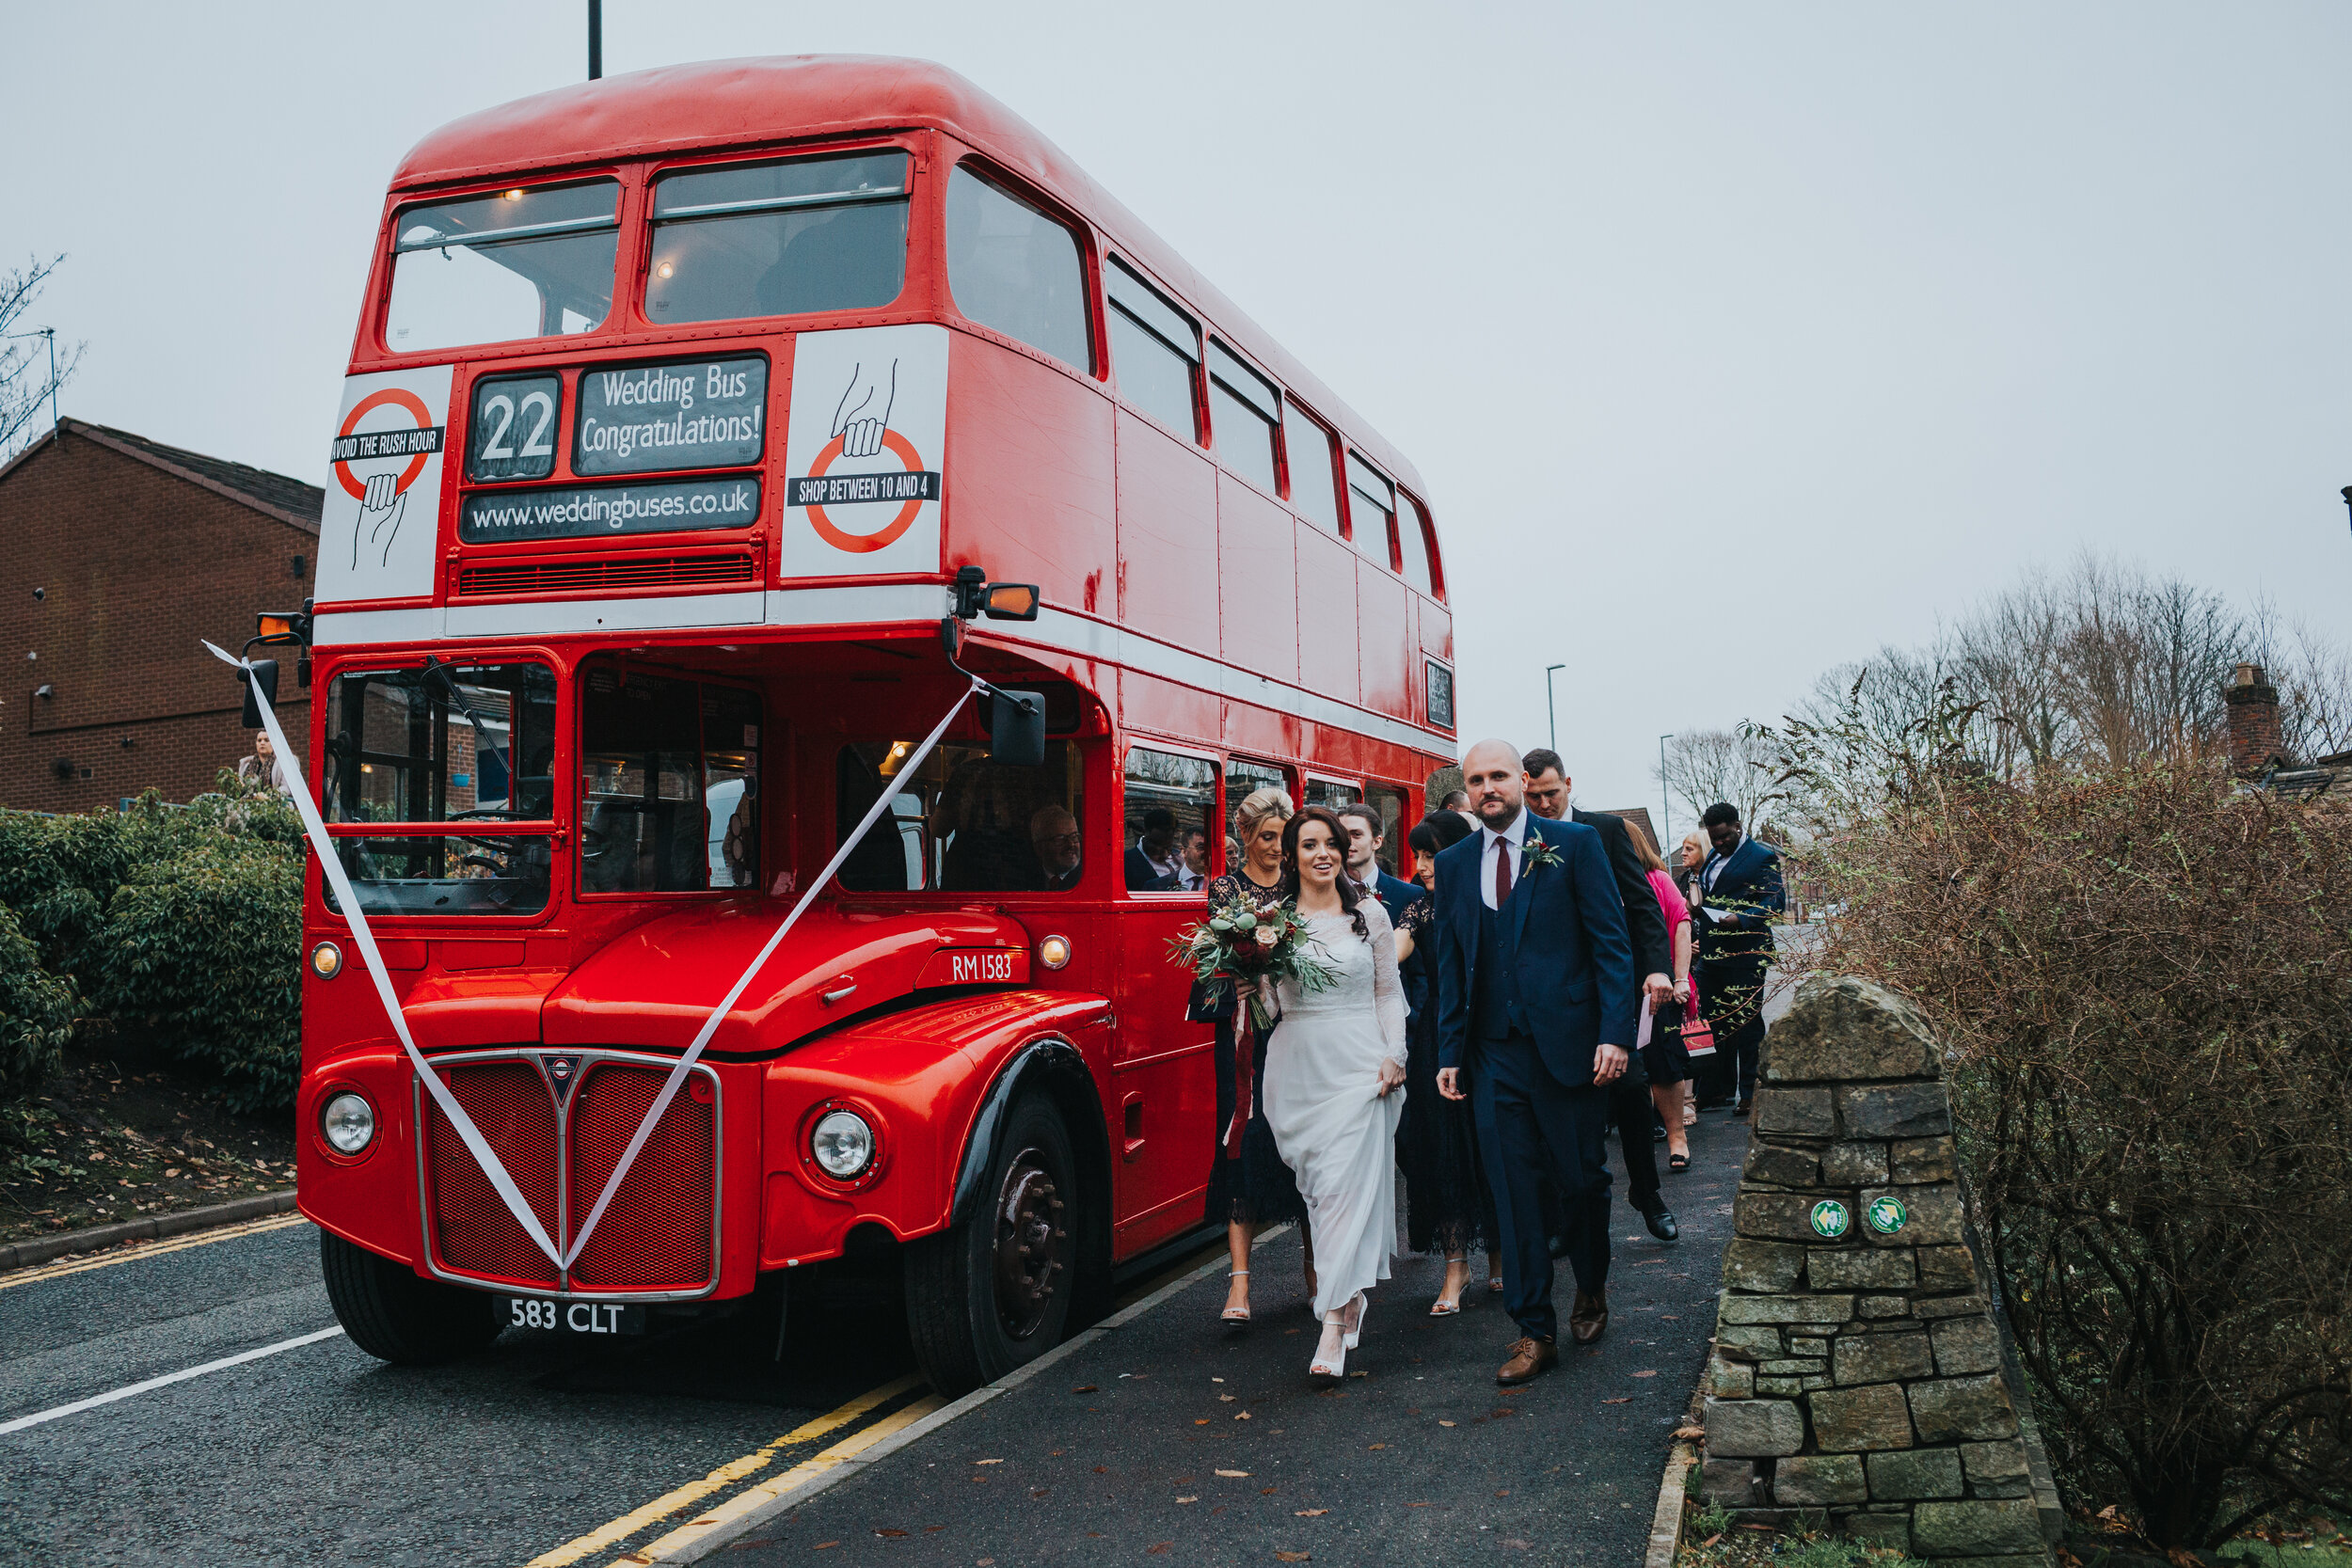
168, 1379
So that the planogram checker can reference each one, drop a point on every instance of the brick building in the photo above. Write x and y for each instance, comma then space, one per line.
116, 555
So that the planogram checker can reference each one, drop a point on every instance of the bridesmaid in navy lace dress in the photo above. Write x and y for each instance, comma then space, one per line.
1251, 1186
1448, 1206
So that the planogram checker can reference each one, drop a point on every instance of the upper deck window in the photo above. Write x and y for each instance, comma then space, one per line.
1156, 349
1244, 410
1313, 494
778, 239
1412, 540
489, 269
1012, 268
1372, 505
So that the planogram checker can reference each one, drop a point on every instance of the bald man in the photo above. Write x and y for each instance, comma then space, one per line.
1537, 1009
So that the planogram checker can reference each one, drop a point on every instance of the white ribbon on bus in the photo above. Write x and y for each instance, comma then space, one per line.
330, 865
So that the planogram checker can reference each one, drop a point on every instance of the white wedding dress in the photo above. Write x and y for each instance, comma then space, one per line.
1324, 1104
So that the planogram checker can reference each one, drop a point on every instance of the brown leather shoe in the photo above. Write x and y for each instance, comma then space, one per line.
1588, 1319
1528, 1358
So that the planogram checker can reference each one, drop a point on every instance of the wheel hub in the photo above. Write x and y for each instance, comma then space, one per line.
1029, 1238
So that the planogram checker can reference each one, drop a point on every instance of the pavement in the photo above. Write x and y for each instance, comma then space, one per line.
546, 1449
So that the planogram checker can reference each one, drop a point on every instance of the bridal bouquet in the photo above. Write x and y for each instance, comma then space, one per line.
1243, 939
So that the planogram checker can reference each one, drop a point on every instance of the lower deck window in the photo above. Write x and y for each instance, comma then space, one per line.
669, 784
962, 823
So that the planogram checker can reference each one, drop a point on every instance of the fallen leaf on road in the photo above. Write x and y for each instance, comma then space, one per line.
988, 1462
1379, 1445
1420, 1504
1445, 1424
1292, 1557
1237, 1474
1622, 1398
1201, 1421
822, 1545
1359, 1374
1522, 1546
1054, 1454
1225, 1399
893, 1534
1652, 1372
1241, 1415
1085, 1389
1160, 1550
1265, 1491
1187, 1500
1309, 1512
1689, 1434
1504, 1492
1102, 1469
1041, 1491
1216, 1380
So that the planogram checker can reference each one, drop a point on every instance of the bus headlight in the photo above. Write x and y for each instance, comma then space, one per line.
1054, 952
348, 1124
842, 1145
326, 960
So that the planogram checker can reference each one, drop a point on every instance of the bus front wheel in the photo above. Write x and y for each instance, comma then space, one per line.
992, 1293
396, 1317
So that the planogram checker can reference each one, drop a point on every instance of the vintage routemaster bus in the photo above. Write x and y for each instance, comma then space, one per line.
683, 407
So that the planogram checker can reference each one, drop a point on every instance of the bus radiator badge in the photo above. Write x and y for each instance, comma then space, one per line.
562, 1072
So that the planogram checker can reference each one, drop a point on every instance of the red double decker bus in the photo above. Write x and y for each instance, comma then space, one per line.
683, 407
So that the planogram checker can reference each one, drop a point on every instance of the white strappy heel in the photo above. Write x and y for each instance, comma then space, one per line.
1324, 1373
1363, 1303
1235, 1316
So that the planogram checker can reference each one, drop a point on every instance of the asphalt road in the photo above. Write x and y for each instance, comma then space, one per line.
320, 1454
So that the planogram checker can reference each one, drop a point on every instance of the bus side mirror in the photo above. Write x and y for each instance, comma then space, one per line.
1016, 729
265, 676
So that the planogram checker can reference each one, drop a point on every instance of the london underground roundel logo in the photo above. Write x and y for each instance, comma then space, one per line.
861, 429
416, 443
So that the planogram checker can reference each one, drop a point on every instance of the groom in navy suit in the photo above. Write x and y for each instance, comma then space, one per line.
1537, 1010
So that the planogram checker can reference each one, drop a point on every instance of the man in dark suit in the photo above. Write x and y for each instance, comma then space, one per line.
1629, 1105
1364, 838
1537, 1008
1152, 860
1740, 891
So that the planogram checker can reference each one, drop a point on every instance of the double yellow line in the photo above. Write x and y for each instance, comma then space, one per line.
736, 1470
133, 1252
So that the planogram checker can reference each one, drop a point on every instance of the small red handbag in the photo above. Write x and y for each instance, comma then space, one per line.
1698, 1035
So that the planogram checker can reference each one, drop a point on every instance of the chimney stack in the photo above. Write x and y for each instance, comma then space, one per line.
2253, 703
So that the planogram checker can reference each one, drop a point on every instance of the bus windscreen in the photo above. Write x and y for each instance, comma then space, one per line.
510, 265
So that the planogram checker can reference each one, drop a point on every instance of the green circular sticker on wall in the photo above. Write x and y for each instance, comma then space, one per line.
1829, 1219
1887, 1215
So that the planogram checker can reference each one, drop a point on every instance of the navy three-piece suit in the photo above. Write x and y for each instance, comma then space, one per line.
1526, 994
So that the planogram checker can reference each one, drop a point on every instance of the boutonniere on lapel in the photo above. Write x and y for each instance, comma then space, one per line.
1537, 851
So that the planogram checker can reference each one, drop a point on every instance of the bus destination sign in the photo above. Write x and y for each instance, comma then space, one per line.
646, 419
591, 511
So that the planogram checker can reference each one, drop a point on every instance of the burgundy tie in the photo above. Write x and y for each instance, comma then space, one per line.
1502, 872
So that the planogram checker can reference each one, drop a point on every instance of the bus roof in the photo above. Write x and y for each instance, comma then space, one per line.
795, 97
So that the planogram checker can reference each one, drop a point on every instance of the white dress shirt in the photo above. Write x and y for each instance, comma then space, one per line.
1511, 841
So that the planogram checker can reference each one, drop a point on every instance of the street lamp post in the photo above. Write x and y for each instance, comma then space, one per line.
1551, 710
1665, 799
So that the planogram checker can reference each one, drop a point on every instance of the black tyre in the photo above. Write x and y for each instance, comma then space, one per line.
993, 1292
396, 1317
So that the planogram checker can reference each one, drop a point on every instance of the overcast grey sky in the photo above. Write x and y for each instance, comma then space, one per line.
1732, 340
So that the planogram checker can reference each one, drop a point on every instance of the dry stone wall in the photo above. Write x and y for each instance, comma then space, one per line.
1856, 1379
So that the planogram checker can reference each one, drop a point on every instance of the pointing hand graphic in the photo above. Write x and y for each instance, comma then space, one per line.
864, 412
380, 509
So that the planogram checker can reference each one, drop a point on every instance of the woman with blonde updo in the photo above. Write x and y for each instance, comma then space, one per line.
1251, 1184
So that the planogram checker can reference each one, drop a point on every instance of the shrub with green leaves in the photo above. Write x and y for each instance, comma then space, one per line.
36, 1013
202, 952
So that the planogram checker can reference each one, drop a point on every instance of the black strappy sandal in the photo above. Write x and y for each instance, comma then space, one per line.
1677, 1161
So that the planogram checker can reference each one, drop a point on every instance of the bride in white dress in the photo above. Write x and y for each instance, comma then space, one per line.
1334, 1076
